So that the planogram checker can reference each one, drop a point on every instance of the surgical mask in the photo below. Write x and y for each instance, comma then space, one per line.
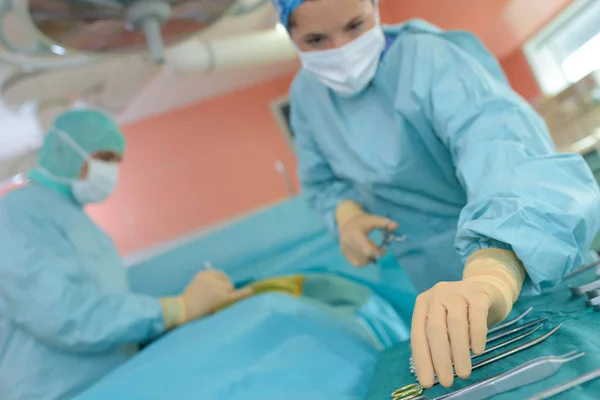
100, 183
101, 180
349, 69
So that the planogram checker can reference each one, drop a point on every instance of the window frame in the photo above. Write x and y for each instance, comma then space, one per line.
540, 57
282, 124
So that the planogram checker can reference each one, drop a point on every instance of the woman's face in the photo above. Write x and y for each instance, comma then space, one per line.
330, 24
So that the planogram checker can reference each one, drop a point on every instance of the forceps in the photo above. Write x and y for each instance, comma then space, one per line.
508, 342
500, 335
414, 390
525, 374
568, 385
581, 290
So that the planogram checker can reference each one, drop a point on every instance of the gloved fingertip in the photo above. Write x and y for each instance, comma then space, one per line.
478, 350
426, 382
463, 371
478, 347
391, 225
447, 383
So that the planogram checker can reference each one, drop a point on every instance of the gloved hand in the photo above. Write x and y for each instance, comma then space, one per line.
208, 291
451, 319
354, 226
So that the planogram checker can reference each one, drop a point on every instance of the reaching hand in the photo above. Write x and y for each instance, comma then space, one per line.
354, 238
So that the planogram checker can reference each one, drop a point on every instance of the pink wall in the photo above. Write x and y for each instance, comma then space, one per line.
520, 75
517, 23
197, 166
503, 25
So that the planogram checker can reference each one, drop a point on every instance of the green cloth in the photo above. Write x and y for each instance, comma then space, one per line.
580, 332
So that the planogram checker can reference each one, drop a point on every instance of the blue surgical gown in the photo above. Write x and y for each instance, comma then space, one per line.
440, 144
66, 314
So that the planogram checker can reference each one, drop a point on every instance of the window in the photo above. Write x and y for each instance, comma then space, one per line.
568, 49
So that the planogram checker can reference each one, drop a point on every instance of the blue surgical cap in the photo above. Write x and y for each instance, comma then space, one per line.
92, 130
285, 8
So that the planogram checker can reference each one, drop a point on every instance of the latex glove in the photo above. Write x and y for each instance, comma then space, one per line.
452, 319
208, 291
354, 226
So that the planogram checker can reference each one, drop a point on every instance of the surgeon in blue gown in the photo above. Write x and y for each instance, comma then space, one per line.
67, 316
415, 129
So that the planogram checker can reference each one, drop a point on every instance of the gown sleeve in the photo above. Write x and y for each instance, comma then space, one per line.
322, 189
47, 295
521, 195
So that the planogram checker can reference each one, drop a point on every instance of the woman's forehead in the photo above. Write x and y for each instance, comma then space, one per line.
327, 14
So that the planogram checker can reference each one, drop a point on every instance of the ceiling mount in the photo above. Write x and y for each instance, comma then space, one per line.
121, 26
148, 17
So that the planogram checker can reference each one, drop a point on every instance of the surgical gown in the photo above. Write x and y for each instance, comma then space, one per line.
440, 144
66, 314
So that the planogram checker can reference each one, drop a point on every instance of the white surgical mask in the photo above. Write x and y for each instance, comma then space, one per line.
349, 69
101, 180
100, 183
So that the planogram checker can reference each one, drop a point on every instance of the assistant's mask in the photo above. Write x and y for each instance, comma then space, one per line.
349, 69
101, 180
100, 183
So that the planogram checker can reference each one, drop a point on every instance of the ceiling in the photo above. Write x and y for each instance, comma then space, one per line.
503, 25
21, 133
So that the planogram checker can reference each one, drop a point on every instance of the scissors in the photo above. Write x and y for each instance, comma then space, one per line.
389, 237
408, 392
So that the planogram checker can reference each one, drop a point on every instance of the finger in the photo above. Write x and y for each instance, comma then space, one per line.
354, 256
215, 273
419, 344
458, 331
376, 222
439, 344
241, 294
478, 313
227, 285
367, 247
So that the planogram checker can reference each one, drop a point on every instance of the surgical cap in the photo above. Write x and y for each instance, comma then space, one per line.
91, 130
285, 8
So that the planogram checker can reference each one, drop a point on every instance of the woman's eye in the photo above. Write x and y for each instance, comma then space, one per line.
315, 41
355, 26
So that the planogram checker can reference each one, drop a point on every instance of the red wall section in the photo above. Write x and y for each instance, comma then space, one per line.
197, 166
520, 75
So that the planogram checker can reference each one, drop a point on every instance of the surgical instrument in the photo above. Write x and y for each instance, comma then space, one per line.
593, 302
566, 386
208, 266
498, 328
581, 270
525, 374
511, 322
389, 237
414, 390
593, 294
496, 347
520, 328
581, 290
